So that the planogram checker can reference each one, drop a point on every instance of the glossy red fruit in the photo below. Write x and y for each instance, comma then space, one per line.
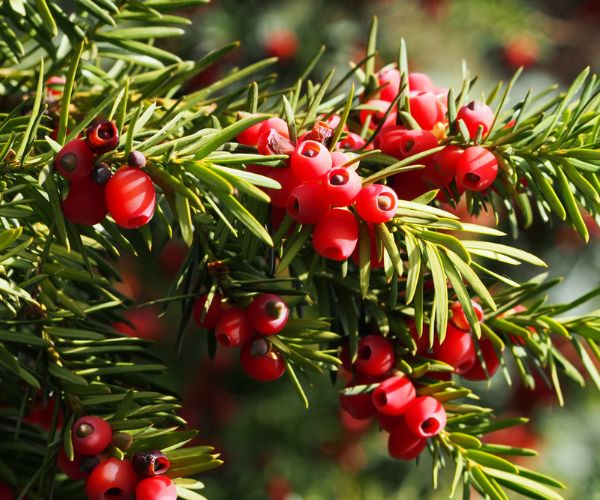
393, 395
389, 80
376, 113
75, 161
286, 178
212, 314
352, 142
307, 203
442, 168
233, 327
91, 435
102, 136
401, 143
457, 350
425, 417
335, 236
268, 313
476, 169
111, 479
310, 161
342, 186
375, 355
476, 114
420, 82
403, 444
339, 158
150, 463
86, 202
409, 185
72, 469
492, 363
425, 109
359, 406
249, 136
458, 317
156, 488
276, 124
261, 361
130, 197
377, 203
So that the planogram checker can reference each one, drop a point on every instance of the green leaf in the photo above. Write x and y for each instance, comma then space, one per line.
66, 375
389, 243
246, 218
44, 12
289, 370
140, 33
440, 301
523, 485
293, 246
486, 485
489, 460
67, 92
39, 93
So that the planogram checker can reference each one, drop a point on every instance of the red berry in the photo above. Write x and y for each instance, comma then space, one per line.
425, 109
102, 136
409, 185
425, 417
287, 180
233, 327
403, 444
55, 86
338, 159
459, 319
492, 362
389, 80
156, 488
150, 463
86, 203
212, 314
276, 124
75, 161
377, 203
476, 169
310, 161
360, 405
420, 82
442, 168
91, 435
401, 143
388, 422
375, 355
335, 236
249, 136
476, 114
307, 203
272, 142
268, 314
130, 197
112, 479
457, 350
393, 395
352, 142
72, 469
261, 361
379, 108
281, 43
342, 186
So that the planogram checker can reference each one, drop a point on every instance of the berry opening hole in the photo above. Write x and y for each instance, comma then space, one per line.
260, 347
339, 179
408, 145
113, 493
106, 131
430, 426
385, 202
223, 339
364, 353
294, 205
472, 178
69, 162
471, 105
310, 151
380, 398
84, 430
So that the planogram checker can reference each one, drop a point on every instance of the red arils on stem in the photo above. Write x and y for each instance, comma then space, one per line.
150, 463
403, 444
457, 350
402, 143
75, 160
112, 479
130, 197
91, 435
474, 115
459, 318
102, 136
425, 417
360, 405
85, 204
375, 355
425, 109
442, 168
476, 169
307, 203
310, 161
261, 361
377, 203
393, 395
268, 314
233, 327
335, 236
491, 359
156, 488
342, 186
285, 177
212, 314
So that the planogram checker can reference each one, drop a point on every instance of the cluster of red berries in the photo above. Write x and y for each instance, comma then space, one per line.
320, 187
458, 348
128, 195
247, 328
140, 478
473, 169
409, 419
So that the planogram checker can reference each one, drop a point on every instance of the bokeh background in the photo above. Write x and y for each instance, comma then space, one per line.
273, 448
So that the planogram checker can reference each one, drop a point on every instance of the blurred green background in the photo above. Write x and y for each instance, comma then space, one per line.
272, 447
